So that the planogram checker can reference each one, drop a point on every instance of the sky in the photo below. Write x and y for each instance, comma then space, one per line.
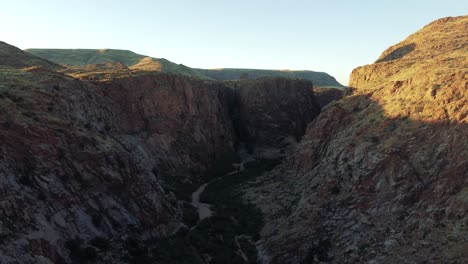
332, 36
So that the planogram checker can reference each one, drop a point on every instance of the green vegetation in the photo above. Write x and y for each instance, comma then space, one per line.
79, 253
190, 214
175, 250
224, 235
227, 237
224, 194
216, 237
223, 165
81, 57
101, 243
179, 185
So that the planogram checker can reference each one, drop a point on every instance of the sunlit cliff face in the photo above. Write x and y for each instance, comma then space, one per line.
421, 78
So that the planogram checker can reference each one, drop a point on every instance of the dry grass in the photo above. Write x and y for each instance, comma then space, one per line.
429, 83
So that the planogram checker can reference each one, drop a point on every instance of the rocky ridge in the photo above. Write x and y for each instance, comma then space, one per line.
381, 175
14, 57
325, 96
320, 79
85, 57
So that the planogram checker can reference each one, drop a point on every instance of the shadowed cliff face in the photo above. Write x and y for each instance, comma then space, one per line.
325, 96
64, 173
81, 162
184, 123
380, 176
274, 111
363, 186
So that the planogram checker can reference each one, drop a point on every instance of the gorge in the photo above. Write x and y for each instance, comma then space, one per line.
106, 160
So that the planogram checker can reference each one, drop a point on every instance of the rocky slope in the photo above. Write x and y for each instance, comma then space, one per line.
318, 78
380, 176
67, 174
96, 160
64, 175
13, 57
325, 96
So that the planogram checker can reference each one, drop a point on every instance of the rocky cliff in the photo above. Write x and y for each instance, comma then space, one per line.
325, 96
83, 162
66, 175
380, 176
274, 111
97, 159
184, 123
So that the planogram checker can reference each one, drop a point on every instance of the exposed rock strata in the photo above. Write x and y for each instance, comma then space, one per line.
65, 174
381, 176
325, 96
183, 122
274, 111
94, 158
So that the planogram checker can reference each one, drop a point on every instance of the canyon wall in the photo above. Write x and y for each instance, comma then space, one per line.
274, 111
100, 160
183, 122
380, 176
65, 174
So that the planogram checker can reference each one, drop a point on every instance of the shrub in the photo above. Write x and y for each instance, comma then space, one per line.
79, 253
100, 243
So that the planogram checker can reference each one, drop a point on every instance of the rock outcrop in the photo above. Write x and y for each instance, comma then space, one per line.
83, 162
183, 122
274, 111
381, 175
324, 96
67, 175
13, 57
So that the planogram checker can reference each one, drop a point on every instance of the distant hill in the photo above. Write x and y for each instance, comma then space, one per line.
82, 57
318, 78
11, 56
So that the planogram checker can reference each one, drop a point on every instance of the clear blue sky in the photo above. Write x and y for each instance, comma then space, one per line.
333, 36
